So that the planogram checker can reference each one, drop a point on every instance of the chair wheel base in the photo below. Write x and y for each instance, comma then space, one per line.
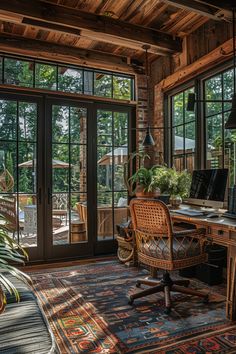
167, 310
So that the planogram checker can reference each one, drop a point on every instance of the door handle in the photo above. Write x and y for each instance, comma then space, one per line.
49, 196
39, 195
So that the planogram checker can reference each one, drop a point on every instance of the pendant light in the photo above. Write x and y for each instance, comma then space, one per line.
231, 122
148, 140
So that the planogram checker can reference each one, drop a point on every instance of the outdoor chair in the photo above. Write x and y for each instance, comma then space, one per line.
8, 213
159, 246
104, 218
59, 208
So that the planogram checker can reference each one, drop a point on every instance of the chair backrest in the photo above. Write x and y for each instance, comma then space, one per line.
158, 245
151, 216
60, 201
8, 211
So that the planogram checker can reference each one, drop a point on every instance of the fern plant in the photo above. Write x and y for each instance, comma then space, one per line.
10, 253
144, 177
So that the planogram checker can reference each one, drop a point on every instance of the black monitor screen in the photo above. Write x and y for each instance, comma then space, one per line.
209, 184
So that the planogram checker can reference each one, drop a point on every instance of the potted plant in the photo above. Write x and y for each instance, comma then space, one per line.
142, 182
10, 252
174, 183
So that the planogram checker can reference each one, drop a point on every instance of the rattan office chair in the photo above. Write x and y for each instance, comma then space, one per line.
159, 246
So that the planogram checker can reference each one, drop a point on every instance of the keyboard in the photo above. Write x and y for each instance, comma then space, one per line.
189, 212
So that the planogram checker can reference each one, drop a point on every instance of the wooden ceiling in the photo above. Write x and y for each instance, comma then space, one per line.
112, 31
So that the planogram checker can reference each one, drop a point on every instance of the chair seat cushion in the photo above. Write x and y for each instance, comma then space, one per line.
183, 247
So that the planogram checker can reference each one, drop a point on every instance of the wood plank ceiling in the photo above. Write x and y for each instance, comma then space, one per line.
173, 18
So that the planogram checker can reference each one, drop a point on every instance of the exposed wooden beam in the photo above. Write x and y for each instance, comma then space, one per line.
202, 8
65, 54
102, 28
51, 26
220, 4
204, 63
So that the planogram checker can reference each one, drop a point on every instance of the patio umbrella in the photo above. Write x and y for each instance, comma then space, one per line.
55, 164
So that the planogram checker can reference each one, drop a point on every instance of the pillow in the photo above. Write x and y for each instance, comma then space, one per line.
122, 202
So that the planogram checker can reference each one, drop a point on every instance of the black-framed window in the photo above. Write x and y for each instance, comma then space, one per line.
183, 132
215, 146
25, 72
220, 142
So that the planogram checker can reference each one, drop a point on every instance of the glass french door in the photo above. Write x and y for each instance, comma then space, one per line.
66, 180
61, 175
20, 173
112, 155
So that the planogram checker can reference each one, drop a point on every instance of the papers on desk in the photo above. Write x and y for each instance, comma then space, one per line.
190, 212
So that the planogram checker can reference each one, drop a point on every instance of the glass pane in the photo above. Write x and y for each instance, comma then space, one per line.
60, 165
104, 168
88, 82
178, 142
122, 88
178, 162
102, 85
213, 91
8, 118
78, 154
27, 168
120, 128
104, 127
78, 225
78, 125
230, 154
69, 175
189, 116
18, 201
190, 162
190, 137
18, 72
69, 79
214, 140
45, 76
27, 121
228, 84
60, 123
118, 176
28, 220
178, 109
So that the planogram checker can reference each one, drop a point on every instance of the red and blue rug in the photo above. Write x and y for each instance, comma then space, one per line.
87, 308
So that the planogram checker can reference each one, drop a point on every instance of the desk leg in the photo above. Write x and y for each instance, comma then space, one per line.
231, 291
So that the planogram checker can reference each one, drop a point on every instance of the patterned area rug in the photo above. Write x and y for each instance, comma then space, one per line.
87, 308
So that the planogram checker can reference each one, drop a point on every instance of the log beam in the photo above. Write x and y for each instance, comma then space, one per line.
202, 8
204, 63
65, 54
102, 28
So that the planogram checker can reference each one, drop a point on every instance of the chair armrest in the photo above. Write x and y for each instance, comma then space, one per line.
193, 233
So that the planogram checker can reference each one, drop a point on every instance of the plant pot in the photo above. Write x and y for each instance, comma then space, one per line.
175, 200
140, 193
165, 198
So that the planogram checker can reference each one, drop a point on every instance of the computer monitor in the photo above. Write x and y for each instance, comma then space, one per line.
208, 188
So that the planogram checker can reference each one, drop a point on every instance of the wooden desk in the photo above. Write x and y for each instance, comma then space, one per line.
221, 231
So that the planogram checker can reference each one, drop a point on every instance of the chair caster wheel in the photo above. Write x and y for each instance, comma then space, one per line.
206, 299
167, 310
138, 284
131, 301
